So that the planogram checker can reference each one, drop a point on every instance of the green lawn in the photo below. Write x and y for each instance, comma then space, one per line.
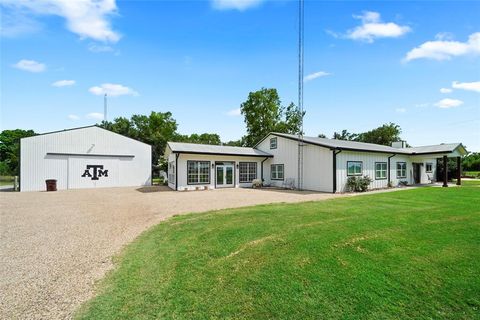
407, 254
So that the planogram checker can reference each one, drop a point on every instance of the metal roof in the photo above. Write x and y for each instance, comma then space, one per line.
371, 147
195, 148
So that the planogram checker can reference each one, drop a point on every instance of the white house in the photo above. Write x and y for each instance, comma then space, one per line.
327, 163
87, 157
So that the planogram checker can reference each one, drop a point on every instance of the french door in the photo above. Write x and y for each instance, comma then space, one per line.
225, 177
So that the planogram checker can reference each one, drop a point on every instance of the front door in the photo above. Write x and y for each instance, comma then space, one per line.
224, 175
416, 172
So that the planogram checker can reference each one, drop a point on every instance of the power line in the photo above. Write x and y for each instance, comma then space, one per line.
105, 107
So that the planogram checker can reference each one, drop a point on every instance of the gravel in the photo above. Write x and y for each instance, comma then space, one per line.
54, 246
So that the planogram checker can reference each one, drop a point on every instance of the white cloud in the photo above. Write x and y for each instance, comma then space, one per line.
400, 110
239, 5
87, 18
470, 86
30, 65
112, 90
16, 23
448, 103
372, 28
445, 49
315, 75
445, 90
73, 117
95, 115
234, 112
99, 48
63, 83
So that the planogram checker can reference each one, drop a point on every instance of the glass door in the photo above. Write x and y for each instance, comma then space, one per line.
225, 176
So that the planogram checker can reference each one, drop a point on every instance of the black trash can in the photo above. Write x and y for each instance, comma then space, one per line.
51, 184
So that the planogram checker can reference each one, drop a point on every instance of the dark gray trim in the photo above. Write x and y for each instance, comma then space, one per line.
396, 170
256, 171
277, 164
276, 143
261, 168
426, 165
91, 155
375, 170
224, 154
335, 152
354, 175
209, 172
176, 171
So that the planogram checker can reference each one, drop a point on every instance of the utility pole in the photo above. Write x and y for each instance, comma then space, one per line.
105, 107
300, 92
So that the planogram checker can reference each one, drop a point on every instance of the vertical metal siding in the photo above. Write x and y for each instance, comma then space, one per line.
36, 166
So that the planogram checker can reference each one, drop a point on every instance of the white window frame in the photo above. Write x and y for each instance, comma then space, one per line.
197, 173
247, 172
355, 173
171, 172
401, 170
381, 172
273, 143
275, 172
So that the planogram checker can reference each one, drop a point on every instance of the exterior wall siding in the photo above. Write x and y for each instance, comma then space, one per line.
369, 159
36, 165
182, 183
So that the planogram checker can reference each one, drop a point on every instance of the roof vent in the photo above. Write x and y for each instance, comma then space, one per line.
399, 144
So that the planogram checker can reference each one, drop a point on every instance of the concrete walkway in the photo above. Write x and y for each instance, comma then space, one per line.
55, 245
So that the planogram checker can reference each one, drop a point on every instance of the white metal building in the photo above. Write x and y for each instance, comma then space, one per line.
87, 157
327, 163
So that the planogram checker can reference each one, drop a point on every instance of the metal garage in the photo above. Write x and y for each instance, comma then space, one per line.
86, 157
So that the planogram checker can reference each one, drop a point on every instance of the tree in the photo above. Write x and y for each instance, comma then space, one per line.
345, 135
471, 162
10, 150
204, 138
321, 135
384, 135
263, 113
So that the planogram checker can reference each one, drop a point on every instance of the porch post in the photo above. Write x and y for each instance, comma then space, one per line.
459, 171
445, 171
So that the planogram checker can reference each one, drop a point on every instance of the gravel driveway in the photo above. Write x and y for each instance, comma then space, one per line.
54, 246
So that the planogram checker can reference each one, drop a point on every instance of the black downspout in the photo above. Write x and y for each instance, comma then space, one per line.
261, 168
176, 171
393, 155
335, 169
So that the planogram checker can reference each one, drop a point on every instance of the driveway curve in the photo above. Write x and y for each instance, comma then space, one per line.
54, 246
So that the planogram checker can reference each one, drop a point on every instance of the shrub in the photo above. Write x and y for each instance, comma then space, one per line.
257, 183
358, 184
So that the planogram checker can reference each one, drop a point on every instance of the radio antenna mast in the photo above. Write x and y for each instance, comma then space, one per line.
105, 107
300, 91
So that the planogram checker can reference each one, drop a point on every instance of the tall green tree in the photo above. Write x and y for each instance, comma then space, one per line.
10, 150
264, 113
384, 135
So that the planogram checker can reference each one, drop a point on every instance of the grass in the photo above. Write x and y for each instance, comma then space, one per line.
408, 254
471, 173
6, 180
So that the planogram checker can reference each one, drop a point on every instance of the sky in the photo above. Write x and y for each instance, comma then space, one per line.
416, 64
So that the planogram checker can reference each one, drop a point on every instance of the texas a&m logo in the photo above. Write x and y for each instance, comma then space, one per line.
96, 173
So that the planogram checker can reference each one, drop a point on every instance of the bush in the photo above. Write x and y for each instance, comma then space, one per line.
257, 183
358, 184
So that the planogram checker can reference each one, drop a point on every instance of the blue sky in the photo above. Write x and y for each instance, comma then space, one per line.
366, 63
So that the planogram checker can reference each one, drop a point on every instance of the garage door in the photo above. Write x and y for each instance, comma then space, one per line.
92, 172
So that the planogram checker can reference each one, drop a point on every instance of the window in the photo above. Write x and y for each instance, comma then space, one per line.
198, 172
354, 168
276, 172
401, 169
247, 171
273, 143
380, 170
429, 167
171, 172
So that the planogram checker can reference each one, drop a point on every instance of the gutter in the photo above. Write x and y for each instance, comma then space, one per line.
176, 171
335, 152
393, 155
261, 167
